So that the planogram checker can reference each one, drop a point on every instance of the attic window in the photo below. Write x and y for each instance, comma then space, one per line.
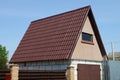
87, 38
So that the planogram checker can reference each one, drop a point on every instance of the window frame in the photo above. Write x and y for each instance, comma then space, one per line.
87, 41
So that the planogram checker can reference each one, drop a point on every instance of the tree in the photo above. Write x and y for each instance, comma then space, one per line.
3, 57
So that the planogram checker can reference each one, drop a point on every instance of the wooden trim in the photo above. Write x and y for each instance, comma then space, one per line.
87, 42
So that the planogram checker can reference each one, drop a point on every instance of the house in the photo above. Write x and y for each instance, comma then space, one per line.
70, 39
116, 56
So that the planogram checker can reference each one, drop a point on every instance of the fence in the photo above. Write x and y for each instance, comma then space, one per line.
36, 75
15, 74
41, 75
4, 74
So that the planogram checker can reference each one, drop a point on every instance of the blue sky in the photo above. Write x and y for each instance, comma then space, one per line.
16, 15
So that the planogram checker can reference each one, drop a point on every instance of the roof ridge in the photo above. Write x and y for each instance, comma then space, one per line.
62, 13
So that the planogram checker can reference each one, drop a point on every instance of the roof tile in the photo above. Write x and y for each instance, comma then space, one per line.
51, 38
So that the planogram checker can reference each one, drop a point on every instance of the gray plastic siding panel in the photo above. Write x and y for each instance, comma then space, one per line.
114, 70
53, 65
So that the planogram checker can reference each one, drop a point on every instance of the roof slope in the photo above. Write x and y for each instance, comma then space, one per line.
52, 38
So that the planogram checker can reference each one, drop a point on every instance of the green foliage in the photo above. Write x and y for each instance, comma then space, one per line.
3, 57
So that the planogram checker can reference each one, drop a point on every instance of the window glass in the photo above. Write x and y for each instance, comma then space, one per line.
87, 37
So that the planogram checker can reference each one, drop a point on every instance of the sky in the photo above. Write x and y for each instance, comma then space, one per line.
16, 16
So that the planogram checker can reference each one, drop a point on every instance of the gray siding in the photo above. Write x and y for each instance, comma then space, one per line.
45, 65
114, 70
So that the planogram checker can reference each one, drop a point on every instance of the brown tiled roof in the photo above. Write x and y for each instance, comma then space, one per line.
52, 38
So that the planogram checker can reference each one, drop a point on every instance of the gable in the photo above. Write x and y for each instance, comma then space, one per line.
87, 51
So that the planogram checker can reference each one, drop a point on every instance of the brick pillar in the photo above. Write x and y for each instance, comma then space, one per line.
14, 69
70, 73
